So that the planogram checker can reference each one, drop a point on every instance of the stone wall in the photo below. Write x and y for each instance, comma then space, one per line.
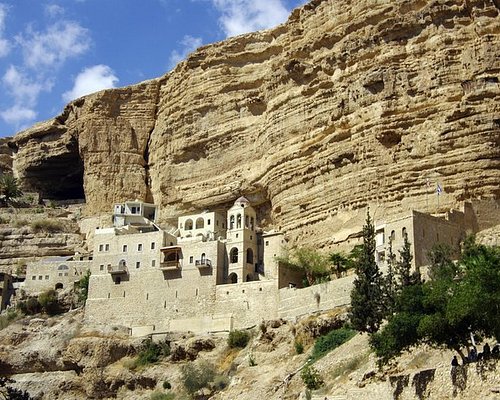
295, 302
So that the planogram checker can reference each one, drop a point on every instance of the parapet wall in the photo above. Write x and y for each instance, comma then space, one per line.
325, 296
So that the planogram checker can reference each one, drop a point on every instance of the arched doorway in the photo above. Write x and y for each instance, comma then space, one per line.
232, 278
59, 285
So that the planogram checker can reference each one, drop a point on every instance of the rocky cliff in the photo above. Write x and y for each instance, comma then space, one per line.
348, 104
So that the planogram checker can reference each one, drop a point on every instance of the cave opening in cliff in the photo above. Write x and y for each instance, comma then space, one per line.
59, 176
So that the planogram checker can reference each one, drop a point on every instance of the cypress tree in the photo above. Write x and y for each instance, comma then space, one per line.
367, 296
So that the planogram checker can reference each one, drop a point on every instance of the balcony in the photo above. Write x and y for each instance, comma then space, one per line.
170, 265
203, 263
117, 269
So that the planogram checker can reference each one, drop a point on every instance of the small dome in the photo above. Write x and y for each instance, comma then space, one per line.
242, 201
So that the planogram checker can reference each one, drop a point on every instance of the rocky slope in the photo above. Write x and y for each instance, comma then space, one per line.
58, 358
345, 105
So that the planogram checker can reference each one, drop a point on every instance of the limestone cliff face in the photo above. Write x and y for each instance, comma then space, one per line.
348, 104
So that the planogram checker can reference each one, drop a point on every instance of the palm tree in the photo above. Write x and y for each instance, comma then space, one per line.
9, 188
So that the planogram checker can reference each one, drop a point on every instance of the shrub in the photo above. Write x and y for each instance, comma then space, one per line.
311, 377
238, 339
326, 343
30, 306
47, 225
151, 352
299, 347
48, 301
196, 377
157, 395
220, 382
83, 287
7, 318
167, 385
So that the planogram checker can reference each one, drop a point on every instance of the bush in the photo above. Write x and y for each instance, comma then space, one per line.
151, 352
48, 301
7, 318
47, 225
157, 395
83, 287
238, 339
30, 306
299, 347
311, 377
326, 343
196, 377
167, 385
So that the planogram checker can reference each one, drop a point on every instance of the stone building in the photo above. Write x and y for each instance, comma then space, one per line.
423, 231
56, 272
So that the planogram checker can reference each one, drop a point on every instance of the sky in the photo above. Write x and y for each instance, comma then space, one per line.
53, 51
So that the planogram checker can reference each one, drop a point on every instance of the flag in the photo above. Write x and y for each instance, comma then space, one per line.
439, 190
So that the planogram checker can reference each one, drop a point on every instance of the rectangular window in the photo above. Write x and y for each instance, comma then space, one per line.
139, 247
101, 267
190, 259
208, 222
65, 274
125, 248
60, 273
101, 247
106, 248
33, 278
153, 263
153, 245
138, 264
46, 277
40, 277
267, 242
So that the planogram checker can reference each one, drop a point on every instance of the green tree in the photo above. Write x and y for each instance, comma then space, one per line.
403, 268
461, 299
83, 287
48, 301
9, 188
389, 282
367, 297
340, 263
313, 264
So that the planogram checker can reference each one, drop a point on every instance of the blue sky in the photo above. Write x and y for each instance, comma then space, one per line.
52, 51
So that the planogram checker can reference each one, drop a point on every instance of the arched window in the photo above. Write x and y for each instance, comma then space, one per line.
249, 256
231, 222
251, 223
203, 257
188, 225
404, 233
200, 223
233, 255
238, 221
232, 278
122, 264
393, 236
61, 267
247, 222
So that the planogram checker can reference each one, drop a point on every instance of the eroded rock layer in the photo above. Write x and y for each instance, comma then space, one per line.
347, 104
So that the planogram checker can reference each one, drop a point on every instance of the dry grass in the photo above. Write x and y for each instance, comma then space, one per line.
227, 358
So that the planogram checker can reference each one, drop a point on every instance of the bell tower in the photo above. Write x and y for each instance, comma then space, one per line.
241, 241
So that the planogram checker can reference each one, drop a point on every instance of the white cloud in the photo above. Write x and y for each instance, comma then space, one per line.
51, 48
189, 44
242, 16
54, 10
4, 43
16, 115
23, 89
91, 80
